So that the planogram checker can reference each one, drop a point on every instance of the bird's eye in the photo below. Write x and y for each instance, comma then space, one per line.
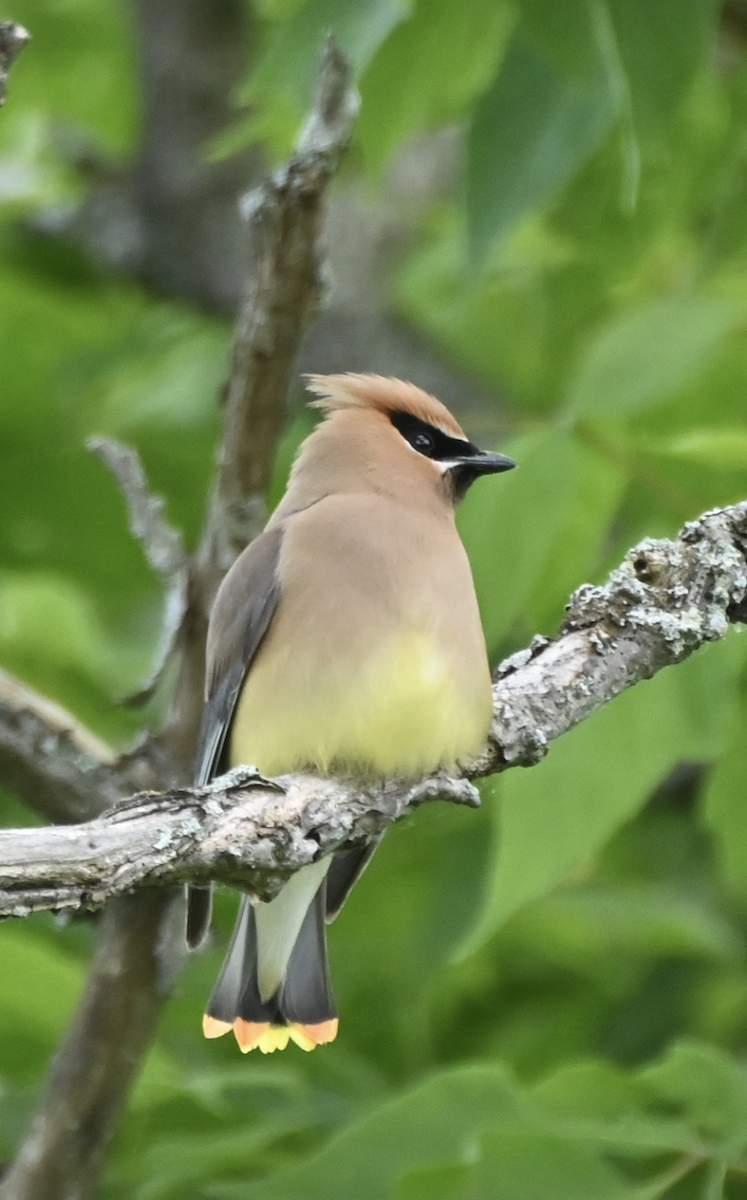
425, 438
422, 442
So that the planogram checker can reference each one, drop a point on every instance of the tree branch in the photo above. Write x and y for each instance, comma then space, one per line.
666, 599
241, 829
163, 546
12, 40
48, 757
284, 219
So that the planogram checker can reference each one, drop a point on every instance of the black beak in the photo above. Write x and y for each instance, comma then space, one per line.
483, 462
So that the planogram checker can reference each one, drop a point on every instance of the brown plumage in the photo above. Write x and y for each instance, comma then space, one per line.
345, 639
383, 395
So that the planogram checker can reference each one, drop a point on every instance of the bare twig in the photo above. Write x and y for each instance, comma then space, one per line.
163, 546
665, 600
12, 40
284, 219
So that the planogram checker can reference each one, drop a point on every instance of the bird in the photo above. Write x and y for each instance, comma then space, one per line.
345, 640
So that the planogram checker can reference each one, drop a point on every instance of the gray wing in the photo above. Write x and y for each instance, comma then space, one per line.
240, 618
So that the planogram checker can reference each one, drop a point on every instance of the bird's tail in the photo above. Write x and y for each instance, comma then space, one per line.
274, 985
199, 913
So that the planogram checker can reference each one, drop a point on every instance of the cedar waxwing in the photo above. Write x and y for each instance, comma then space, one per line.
346, 640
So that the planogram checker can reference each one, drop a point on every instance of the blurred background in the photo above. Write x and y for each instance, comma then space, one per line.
542, 219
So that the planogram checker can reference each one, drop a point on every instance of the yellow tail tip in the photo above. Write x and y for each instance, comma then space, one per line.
213, 1028
250, 1034
315, 1035
260, 1035
276, 1038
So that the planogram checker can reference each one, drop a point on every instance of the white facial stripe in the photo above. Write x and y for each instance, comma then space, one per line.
442, 464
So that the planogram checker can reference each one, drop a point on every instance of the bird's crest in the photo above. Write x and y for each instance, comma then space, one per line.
385, 395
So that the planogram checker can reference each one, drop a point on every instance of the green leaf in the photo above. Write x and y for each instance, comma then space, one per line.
522, 1165
167, 374
551, 819
436, 1183
429, 70
649, 354
709, 1087
497, 324
594, 920
40, 984
598, 488
215, 1091
567, 35
510, 526
593, 1100
50, 632
660, 43
725, 809
408, 911
173, 1166
530, 133
429, 1125
282, 83
720, 448
51, 982
532, 1166
82, 41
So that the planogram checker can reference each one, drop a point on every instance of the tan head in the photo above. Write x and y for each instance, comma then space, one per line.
337, 393
387, 436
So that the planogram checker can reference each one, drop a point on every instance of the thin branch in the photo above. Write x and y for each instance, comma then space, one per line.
284, 220
50, 759
666, 599
13, 38
47, 756
163, 546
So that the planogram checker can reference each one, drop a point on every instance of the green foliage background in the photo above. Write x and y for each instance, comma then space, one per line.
548, 998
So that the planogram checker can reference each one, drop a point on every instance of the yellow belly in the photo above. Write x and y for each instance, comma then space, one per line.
407, 710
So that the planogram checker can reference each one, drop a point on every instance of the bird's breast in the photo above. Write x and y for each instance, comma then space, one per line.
405, 708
